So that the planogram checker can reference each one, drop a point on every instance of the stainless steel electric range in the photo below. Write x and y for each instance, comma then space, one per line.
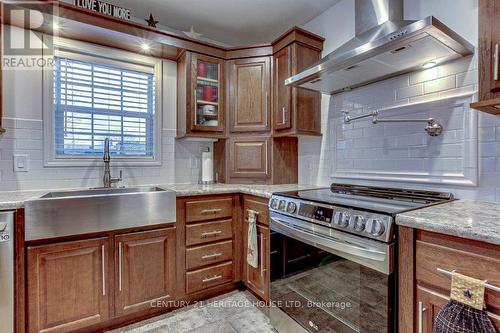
333, 257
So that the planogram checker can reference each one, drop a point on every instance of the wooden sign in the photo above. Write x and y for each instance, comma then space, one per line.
104, 8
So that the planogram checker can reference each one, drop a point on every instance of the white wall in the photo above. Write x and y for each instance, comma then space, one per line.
387, 149
23, 119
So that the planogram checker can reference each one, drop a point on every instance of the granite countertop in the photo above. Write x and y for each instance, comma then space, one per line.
15, 199
462, 218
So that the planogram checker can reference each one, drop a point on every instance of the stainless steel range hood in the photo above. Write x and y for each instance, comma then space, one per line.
385, 45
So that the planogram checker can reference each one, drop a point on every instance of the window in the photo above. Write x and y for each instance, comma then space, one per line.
93, 101
100, 93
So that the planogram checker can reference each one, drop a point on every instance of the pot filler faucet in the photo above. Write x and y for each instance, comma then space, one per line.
107, 180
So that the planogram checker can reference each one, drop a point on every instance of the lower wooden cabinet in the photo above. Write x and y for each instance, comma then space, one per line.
69, 285
429, 304
144, 270
424, 291
257, 278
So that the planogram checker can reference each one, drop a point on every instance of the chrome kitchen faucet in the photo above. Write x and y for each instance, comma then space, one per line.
107, 180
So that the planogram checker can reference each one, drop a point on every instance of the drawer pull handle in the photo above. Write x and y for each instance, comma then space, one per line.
211, 233
210, 256
211, 211
487, 285
213, 278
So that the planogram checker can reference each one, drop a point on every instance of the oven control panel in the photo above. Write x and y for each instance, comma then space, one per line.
315, 212
367, 224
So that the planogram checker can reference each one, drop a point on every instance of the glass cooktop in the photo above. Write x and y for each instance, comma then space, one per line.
377, 199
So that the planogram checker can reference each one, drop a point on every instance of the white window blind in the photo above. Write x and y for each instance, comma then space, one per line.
93, 101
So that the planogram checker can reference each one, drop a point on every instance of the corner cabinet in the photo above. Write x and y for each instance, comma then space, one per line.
200, 96
489, 57
249, 157
249, 95
296, 111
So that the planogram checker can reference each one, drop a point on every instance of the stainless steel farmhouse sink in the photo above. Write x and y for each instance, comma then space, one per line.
66, 213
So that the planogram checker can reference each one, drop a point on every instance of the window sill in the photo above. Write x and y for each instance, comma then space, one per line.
96, 162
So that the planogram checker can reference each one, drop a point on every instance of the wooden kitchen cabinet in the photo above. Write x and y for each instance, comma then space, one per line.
200, 96
489, 57
249, 157
249, 95
257, 278
69, 285
257, 159
144, 267
296, 111
423, 290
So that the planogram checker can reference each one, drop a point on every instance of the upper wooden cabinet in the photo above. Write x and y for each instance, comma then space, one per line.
144, 270
200, 96
249, 94
69, 285
489, 57
296, 111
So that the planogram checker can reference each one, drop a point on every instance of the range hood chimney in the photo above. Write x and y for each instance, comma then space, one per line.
385, 45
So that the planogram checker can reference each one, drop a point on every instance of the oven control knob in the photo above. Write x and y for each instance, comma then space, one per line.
274, 203
282, 205
291, 208
341, 219
375, 227
359, 223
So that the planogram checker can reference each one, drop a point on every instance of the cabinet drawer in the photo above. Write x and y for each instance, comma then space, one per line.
209, 277
201, 233
258, 206
203, 210
209, 254
430, 256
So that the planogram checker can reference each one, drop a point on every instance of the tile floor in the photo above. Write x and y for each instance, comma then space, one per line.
236, 312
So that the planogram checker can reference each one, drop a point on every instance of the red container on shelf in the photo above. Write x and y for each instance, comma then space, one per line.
208, 93
202, 69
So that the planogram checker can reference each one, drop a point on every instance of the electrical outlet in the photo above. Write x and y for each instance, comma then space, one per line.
20, 163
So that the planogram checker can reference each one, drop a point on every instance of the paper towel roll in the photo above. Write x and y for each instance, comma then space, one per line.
207, 167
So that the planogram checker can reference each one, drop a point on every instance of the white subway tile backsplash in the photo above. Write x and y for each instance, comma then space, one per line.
445, 83
24, 136
458, 66
410, 91
425, 75
396, 147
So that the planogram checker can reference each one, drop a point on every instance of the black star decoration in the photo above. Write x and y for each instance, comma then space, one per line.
151, 21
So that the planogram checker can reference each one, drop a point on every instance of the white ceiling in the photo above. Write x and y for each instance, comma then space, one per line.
232, 22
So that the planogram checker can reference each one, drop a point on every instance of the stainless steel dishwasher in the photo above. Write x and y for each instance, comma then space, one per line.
7, 272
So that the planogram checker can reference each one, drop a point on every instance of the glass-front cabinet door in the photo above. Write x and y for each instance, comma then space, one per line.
208, 86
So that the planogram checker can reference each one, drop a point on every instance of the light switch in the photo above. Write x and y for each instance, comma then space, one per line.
20, 163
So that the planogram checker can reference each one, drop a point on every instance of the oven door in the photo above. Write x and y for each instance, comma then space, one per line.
323, 280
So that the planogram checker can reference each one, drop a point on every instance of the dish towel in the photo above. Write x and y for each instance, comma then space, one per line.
464, 312
252, 247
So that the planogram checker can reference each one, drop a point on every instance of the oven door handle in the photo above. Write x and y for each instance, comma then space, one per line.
329, 242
